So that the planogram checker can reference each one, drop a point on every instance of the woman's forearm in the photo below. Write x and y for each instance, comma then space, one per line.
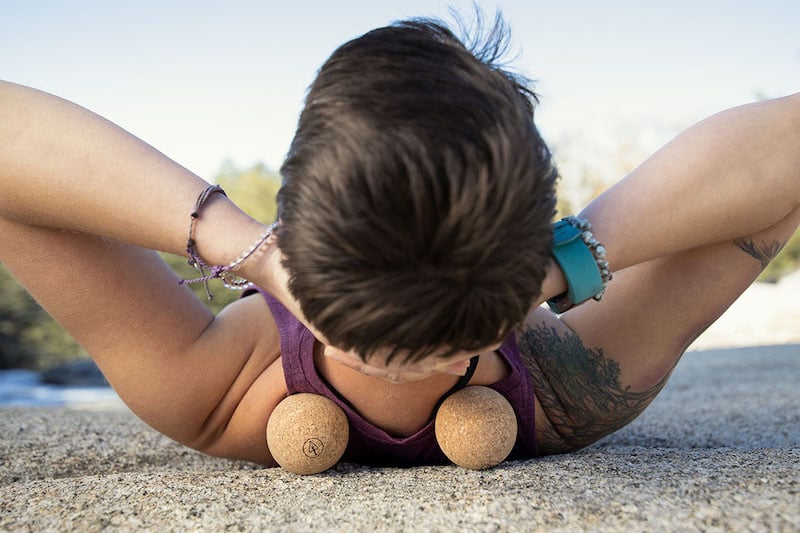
729, 176
62, 166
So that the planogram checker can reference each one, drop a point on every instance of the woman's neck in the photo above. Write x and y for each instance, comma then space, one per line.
400, 409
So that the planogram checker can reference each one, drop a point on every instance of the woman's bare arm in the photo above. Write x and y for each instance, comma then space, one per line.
81, 200
686, 233
66, 167
727, 176
730, 175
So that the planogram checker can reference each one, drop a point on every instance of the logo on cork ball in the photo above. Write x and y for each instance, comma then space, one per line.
313, 448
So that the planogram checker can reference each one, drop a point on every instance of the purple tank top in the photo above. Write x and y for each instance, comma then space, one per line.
370, 445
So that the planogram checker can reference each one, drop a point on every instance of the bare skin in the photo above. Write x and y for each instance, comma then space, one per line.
699, 221
82, 202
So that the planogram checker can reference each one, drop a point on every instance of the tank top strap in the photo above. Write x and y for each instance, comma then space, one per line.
297, 344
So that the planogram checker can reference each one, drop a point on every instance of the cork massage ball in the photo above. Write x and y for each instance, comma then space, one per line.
307, 433
476, 427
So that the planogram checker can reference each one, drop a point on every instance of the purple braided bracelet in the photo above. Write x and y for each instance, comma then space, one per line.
223, 272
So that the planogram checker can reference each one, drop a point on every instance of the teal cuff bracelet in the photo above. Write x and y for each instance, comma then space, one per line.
582, 260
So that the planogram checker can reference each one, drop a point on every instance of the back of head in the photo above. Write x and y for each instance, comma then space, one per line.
417, 195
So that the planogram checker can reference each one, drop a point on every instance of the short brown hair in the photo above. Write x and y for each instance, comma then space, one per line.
417, 195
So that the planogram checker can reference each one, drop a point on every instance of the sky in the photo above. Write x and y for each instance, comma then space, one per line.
208, 81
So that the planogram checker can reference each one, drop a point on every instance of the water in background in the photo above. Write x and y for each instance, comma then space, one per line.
22, 388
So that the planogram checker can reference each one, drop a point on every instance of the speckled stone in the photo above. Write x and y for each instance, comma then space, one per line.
717, 451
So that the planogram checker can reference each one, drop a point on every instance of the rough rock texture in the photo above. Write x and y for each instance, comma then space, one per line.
717, 451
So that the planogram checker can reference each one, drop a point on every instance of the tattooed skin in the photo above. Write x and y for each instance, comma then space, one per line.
579, 389
764, 253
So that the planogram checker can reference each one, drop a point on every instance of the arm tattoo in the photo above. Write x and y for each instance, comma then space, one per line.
764, 253
579, 389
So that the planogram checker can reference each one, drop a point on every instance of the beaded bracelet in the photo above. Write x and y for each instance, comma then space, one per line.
223, 272
582, 260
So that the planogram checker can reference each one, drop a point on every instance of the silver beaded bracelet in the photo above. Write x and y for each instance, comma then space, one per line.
237, 282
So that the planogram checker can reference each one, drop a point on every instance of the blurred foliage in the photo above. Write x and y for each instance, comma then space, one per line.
575, 193
29, 338
253, 189
788, 260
